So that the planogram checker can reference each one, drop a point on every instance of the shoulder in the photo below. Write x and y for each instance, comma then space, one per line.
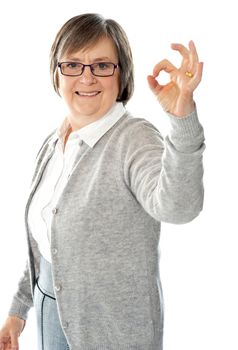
136, 129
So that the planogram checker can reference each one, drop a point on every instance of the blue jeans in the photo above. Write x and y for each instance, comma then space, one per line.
49, 331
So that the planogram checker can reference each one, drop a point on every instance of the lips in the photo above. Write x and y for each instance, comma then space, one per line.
87, 94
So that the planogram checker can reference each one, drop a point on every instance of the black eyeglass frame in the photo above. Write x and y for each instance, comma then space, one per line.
115, 66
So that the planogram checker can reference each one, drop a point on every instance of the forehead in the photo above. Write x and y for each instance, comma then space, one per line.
103, 48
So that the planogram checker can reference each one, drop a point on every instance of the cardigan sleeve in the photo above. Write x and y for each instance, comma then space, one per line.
22, 300
166, 176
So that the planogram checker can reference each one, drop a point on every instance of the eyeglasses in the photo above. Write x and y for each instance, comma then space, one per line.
100, 69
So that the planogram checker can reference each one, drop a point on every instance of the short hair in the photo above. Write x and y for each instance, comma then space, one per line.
85, 30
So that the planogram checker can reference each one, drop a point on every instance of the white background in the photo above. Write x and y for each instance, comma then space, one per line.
199, 260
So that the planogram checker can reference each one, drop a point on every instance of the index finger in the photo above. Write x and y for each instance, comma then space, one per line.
165, 65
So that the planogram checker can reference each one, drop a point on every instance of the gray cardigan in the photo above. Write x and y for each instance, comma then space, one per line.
106, 229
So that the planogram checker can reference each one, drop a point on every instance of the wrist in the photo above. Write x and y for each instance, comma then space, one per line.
184, 106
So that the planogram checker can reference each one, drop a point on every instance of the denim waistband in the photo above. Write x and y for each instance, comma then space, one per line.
45, 280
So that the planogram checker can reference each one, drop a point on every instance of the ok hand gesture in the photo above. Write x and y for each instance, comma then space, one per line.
176, 97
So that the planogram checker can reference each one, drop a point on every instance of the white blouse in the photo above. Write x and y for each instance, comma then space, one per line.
58, 171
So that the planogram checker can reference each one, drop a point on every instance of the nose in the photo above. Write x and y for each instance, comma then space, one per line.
87, 77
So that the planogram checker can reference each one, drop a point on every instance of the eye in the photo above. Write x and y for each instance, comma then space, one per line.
103, 65
72, 65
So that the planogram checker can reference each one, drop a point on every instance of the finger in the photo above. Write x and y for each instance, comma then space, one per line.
153, 83
4, 339
194, 60
3, 342
193, 51
164, 65
184, 52
198, 72
14, 341
9, 346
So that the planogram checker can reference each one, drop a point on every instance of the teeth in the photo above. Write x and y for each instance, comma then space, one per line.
87, 93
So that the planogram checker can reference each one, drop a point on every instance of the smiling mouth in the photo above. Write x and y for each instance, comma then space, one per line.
87, 94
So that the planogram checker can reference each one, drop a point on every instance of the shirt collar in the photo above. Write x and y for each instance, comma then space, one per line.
92, 132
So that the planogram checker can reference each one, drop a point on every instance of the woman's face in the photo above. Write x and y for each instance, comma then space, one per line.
89, 97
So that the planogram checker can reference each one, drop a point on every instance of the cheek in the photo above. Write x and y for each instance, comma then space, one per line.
65, 85
60, 86
113, 86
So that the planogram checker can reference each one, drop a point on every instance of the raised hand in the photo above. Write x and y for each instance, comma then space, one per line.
176, 97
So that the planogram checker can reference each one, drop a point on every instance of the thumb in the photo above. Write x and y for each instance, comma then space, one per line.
153, 84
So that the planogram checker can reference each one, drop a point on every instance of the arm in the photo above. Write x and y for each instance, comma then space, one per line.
168, 183
22, 300
16, 320
166, 177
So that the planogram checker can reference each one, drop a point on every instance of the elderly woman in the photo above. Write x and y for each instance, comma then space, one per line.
103, 182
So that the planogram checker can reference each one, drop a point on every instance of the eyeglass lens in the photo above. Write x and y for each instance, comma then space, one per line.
75, 68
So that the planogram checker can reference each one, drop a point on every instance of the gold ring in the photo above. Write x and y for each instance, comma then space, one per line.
189, 74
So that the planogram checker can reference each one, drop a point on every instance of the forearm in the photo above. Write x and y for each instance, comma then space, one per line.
22, 300
166, 176
180, 189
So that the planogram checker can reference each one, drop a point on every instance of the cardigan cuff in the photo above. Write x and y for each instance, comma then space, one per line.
186, 133
18, 309
188, 125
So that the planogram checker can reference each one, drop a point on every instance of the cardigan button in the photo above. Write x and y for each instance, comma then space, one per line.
55, 211
57, 288
65, 325
54, 251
